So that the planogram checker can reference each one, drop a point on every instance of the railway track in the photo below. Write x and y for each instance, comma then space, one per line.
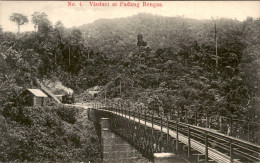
234, 149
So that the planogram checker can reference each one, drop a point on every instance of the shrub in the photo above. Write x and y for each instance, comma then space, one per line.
17, 114
49, 137
67, 113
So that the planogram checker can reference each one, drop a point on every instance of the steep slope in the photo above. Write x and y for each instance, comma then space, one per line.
54, 133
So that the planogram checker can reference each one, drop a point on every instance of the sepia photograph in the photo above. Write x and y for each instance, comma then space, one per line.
130, 81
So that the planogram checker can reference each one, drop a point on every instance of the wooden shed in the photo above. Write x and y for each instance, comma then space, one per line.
35, 97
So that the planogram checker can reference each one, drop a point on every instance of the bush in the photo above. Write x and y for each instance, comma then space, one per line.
17, 114
51, 135
67, 113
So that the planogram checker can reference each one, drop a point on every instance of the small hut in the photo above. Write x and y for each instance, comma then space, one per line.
93, 93
34, 97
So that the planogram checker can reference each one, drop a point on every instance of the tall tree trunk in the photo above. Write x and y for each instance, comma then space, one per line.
18, 28
120, 88
35, 28
69, 57
216, 42
88, 54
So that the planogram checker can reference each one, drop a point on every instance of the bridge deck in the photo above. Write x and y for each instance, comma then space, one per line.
212, 153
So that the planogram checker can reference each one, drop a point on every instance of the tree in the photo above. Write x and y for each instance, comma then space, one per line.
60, 28
76, 36
41, 22
19, 19
74, 41
140, 41
1, 30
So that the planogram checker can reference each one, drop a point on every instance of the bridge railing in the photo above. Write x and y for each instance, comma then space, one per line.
232, 147
240, 128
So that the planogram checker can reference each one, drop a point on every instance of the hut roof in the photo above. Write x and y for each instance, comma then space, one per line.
37, 92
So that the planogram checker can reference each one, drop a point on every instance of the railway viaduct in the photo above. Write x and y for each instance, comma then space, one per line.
129, 135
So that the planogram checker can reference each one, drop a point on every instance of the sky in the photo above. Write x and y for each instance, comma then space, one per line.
79, 15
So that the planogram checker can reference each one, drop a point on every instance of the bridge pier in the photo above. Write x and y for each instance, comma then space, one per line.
114, 148
115, 131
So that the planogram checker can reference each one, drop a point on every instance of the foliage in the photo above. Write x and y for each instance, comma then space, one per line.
47, 137
19, 19
179, 67
41, 22
182, 71
67, 114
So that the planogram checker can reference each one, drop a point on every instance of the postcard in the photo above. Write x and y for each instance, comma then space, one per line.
129, 81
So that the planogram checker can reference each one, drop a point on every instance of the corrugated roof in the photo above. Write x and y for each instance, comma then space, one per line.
37, 92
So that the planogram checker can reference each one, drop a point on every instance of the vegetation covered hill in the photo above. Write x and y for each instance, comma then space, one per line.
120, 35
54, 133
179, 64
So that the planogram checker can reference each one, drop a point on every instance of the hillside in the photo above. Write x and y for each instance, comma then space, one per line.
174, 60
181, 66
119, 36
56, 133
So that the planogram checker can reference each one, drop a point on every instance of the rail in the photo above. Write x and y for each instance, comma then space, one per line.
235, 149
245, 129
